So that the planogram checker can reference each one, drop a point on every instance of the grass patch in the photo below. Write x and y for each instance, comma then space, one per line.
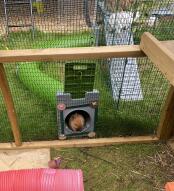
124, 167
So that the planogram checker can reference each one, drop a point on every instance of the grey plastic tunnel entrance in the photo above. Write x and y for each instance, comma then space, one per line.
86, 116
87, 107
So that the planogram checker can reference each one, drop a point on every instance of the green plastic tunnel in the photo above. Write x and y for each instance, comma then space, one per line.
40, 83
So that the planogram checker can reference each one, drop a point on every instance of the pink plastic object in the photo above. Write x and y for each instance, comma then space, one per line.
41, 180
169, 186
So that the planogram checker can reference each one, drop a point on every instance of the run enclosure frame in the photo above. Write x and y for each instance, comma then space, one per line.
161, 53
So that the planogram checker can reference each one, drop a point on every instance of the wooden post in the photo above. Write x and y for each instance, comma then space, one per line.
9, 105
161, 56
166, 125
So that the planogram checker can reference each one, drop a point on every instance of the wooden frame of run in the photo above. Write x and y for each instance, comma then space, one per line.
160, 53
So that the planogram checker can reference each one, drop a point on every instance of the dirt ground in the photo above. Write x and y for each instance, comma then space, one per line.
24, 159
145, 167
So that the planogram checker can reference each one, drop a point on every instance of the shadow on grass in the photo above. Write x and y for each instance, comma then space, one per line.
137, 167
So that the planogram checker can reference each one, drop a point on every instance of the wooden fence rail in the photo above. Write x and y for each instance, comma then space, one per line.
56, 54
160, 53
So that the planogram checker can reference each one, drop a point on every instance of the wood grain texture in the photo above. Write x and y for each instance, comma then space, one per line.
166, 125
9, 105
161, 55
81, 142
169, 44
55, 54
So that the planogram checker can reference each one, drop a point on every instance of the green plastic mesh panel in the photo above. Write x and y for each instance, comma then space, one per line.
81, 75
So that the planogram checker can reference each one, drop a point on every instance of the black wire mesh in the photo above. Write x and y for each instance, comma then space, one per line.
134, 113
5, 128
42, 24
132, 91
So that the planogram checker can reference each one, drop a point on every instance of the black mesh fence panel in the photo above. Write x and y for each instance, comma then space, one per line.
50, 23
128, 104
5, 128
132, 91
